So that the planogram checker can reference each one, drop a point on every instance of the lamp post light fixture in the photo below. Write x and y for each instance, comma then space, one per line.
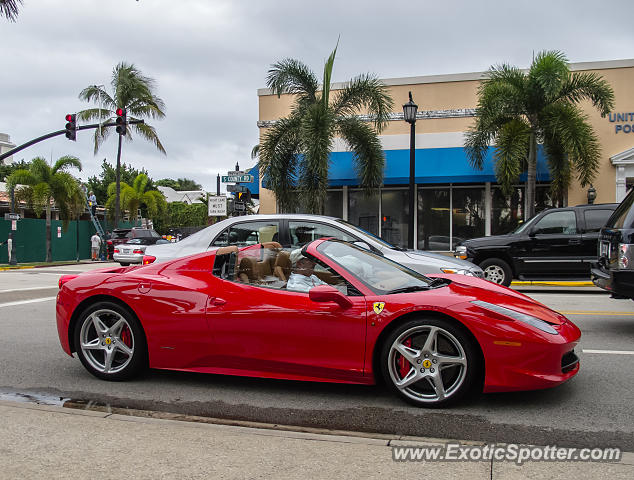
409, 114
592, 194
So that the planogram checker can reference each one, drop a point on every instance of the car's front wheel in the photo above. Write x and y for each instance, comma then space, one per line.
124, 264
110, 342
497, 271
430, 362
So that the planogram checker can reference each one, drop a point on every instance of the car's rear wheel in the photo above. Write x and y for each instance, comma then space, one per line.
497, 271
110, 342
124, 264
430, 362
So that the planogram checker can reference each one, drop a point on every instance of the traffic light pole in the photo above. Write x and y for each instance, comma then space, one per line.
60, 132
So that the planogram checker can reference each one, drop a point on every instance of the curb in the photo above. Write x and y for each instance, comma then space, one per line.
23, 267
554, 283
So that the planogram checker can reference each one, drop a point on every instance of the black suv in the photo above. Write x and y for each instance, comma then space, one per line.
614, 270
559, 242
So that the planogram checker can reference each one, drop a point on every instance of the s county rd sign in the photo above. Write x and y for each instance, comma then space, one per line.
243, 178
217, 206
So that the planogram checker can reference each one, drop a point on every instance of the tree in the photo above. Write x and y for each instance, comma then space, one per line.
133, 92
137, 195
9, 9
127, 173
295, 152
518, 110
43, 185
180, 184
8, 169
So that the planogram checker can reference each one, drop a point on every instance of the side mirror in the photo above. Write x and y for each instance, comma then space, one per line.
328, 293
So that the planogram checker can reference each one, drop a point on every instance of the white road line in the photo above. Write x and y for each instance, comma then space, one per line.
609, 352
24, 302
27, 288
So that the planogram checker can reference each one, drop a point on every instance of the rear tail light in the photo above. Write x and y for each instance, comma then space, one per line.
65, 278
626, 251
138, 251
109, 242
116, 250
147, 259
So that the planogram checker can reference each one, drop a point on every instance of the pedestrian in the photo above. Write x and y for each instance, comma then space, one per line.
92, 202
95, 243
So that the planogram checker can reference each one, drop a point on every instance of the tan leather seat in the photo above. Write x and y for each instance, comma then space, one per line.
248, 270
282, 266
266, 265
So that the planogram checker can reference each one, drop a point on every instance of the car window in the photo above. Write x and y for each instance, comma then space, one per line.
247, 233
623, 216
557, 223
139, 241
305, 232
596, 219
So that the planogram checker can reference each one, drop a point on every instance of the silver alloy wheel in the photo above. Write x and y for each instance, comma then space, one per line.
495, 274
432, 375
102, 344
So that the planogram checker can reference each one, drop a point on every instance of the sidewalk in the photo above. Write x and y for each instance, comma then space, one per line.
41, 441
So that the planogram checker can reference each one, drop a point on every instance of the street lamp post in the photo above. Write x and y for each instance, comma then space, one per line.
409, 113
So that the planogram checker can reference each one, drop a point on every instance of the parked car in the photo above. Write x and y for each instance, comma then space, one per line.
559, 242
122, 235
233, 311
614, 270
293, 231
133, 250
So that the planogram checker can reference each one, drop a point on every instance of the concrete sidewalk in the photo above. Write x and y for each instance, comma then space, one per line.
39, 441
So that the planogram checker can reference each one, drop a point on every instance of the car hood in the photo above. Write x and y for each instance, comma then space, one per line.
492, 240
440, 259
473, 288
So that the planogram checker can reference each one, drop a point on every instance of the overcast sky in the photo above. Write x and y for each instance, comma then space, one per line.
209, 57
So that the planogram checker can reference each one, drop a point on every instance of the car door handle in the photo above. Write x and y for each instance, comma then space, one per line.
218, 301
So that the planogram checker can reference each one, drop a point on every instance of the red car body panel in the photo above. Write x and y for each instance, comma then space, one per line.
197, 322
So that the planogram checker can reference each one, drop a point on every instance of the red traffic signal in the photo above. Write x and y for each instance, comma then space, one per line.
121, 121
71, 126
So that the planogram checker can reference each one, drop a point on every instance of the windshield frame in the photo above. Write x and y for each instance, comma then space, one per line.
419, 279
359, 230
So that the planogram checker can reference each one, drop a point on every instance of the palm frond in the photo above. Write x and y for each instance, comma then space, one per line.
511, 149
368, 156
148, 132
294, 77
65, 162
255, 151
9, 9
548, 72
330, 63
588, 86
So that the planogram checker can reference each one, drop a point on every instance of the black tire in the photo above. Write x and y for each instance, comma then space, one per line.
101, 344
498, 271
124, 264
457, 380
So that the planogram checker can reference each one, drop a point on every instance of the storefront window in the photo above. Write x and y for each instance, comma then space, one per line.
506, 212
364, 211
394, 216
468, 214
433, 219
334, 204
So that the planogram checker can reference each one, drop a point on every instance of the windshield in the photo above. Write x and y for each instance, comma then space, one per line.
140, 241
381, 275
366, 233
522, 227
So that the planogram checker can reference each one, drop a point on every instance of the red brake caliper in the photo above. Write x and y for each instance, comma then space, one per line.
403, 365
126, 337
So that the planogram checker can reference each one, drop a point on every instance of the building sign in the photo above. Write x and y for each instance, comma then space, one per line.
217, 206
624, 122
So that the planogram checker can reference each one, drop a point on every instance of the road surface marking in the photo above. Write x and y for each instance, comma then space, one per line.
23, 302
628, 314
609, 352
27, 288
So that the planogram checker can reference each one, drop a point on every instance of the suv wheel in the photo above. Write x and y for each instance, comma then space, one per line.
497, 271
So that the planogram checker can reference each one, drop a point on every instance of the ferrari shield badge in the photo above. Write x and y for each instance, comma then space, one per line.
378, 307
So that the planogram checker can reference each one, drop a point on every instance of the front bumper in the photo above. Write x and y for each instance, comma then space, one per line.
619, 282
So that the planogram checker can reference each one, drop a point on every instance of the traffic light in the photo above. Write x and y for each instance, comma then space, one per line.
244, 196
71, 126
121, 121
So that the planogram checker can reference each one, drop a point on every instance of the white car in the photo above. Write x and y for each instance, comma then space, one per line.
294, 231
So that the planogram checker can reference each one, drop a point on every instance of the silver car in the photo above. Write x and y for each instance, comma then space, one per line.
294, 231
133, 250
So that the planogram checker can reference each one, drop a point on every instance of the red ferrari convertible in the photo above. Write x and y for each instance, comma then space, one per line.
329, 312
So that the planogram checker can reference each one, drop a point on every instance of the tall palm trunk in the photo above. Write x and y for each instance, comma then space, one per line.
49, 251
530, 178
117, 202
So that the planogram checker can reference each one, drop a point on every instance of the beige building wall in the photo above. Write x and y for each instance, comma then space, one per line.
459, 91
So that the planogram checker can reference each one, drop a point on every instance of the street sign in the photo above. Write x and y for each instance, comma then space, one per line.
239, 206
217, 206
12, 216
245, 178
237, 188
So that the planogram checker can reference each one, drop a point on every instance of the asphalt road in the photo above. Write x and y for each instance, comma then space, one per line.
596, 408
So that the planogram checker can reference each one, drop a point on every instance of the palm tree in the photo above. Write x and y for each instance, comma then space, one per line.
133, 92
134, 196
9, 9
43, 185
517, 110
295, 152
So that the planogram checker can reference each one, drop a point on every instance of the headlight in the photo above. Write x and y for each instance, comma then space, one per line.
520, 317
459, 271
461, 252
